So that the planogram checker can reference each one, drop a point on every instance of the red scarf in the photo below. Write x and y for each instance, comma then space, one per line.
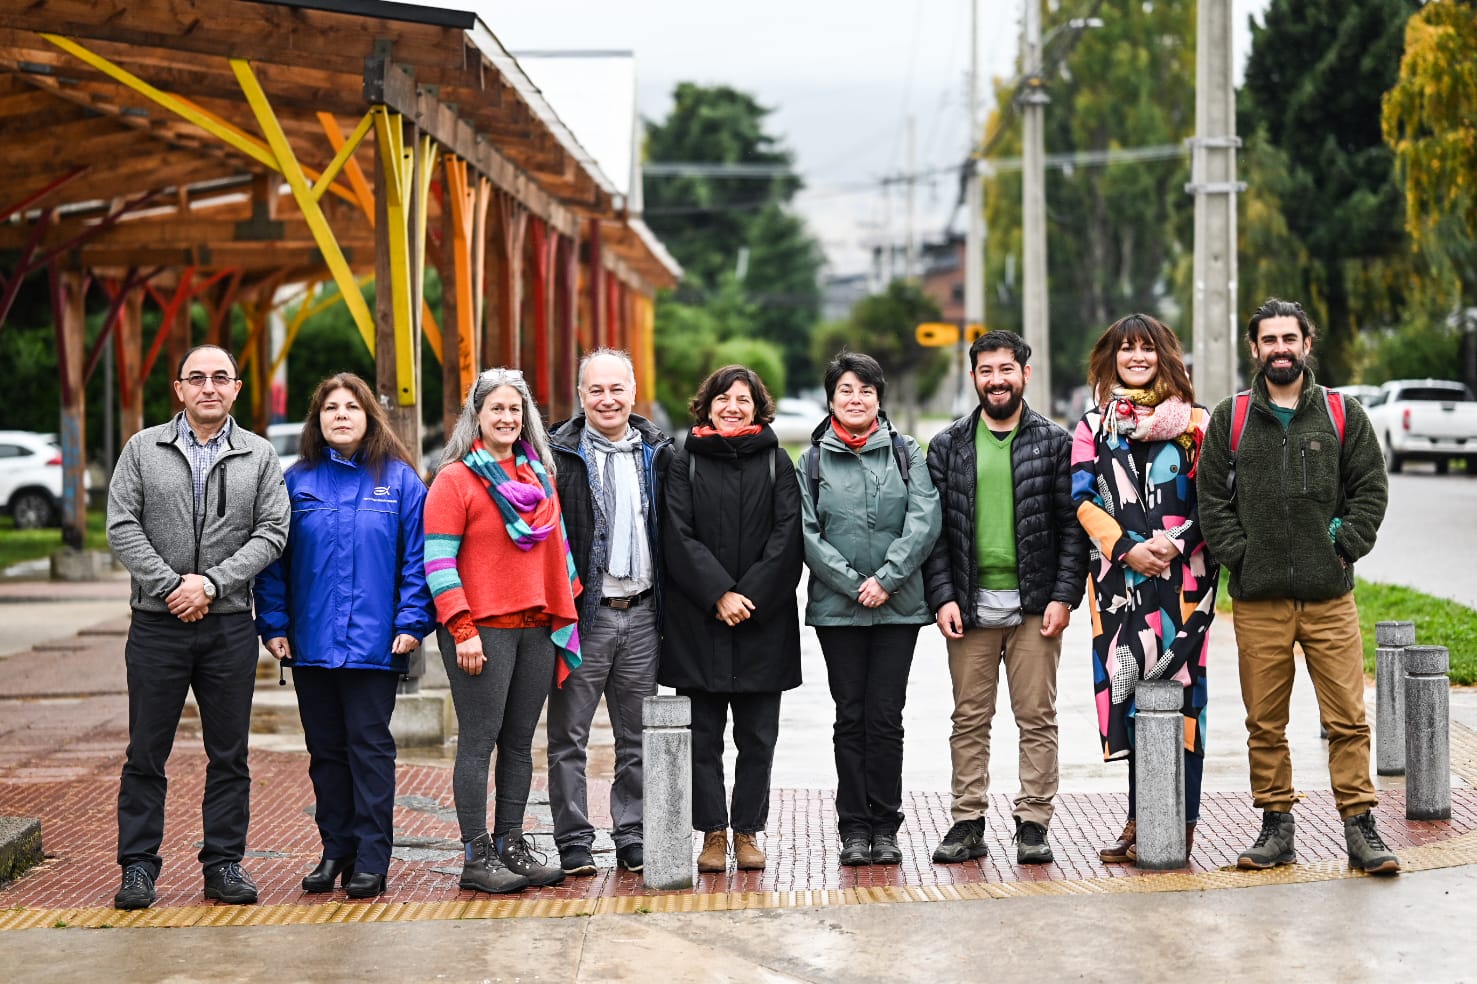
703, 430
855, 443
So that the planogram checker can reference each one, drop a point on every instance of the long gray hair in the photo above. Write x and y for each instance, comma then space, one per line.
467, 429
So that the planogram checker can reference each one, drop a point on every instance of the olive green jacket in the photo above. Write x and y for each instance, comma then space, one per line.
1272, 532
867, 522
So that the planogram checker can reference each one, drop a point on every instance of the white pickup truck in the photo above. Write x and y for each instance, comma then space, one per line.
1425, 420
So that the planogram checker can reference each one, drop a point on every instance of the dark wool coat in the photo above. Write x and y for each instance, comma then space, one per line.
1051, 549
730, 527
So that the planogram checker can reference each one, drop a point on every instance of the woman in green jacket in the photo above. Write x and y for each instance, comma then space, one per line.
870, 516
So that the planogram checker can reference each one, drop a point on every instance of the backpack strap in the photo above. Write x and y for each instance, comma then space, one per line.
1337, 412
900, 454
812, 458
1240, 411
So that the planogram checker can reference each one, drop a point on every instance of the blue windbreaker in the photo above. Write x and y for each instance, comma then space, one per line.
353, 575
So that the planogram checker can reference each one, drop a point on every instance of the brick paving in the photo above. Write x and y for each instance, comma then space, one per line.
67, 776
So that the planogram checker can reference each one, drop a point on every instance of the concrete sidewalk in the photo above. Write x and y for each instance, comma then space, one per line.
63, 727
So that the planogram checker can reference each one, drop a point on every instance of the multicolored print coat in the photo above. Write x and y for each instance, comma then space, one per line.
1142, 627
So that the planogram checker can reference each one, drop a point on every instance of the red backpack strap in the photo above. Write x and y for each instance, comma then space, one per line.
1240, 411
1336, 412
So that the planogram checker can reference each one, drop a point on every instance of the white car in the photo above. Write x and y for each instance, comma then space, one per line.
795, 419
285, 438
31, 478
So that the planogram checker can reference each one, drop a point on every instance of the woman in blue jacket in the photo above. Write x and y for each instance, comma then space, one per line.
347, 603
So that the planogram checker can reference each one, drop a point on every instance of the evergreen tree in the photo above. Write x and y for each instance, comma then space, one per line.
1315, 78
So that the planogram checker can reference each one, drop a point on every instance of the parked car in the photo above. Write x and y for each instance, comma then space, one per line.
1426, 420
1363, 392
31, 478
285, 438
795, 419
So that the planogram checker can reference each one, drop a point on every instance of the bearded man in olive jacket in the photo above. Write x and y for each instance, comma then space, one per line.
1300, 505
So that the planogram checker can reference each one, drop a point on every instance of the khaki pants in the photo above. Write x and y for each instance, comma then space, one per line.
1030, 672
1328, 632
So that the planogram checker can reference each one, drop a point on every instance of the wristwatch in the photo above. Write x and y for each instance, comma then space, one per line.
209, 587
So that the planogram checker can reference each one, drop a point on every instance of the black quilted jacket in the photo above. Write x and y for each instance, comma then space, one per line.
1051, 549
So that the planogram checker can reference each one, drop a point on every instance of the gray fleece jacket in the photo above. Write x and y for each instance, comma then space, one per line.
153, 529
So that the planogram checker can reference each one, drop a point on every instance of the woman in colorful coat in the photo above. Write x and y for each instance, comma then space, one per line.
1152, 583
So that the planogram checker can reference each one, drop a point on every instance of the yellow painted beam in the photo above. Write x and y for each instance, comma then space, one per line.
221, 129
345, 150
286, 162
397, 162
363, 194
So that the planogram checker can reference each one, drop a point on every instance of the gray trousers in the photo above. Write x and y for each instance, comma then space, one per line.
619, 650
497, 710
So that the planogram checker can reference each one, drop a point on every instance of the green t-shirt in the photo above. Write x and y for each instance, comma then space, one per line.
1284, 415
994, 510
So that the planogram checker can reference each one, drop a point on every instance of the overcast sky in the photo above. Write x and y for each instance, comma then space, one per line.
843, 78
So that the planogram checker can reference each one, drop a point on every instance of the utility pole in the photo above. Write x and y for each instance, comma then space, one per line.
1214, 185
974, 235
910, 242
1033, 99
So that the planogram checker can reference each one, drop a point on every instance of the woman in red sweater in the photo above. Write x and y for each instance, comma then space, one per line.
499, 568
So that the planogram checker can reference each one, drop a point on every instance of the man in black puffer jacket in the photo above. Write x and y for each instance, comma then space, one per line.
1002, 580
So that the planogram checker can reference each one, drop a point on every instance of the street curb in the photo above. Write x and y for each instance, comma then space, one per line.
20, 847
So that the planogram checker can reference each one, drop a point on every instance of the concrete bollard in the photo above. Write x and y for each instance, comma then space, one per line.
666, 750
1390, 639
1159, 750
1427, 733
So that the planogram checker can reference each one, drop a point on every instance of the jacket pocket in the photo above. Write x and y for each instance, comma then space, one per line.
1317, 468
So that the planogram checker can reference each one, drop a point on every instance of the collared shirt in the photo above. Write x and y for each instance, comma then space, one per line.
201, 456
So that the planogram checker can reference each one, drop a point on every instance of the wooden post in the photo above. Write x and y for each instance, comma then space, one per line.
596, 271
542, 370
566, 341
405, 420
128, 341
69, 289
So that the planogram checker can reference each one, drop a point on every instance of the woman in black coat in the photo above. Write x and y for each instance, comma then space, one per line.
730, 622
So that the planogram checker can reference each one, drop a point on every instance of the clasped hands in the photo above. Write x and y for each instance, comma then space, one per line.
1152, 557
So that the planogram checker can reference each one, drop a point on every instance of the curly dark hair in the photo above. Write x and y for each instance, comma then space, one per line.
718, 381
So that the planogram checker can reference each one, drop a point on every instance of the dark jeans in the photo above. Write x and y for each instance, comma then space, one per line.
216, 657
1194, 773
756, 727
868, 672
351, 760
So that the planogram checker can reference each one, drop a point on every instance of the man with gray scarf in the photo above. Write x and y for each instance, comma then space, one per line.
610, 465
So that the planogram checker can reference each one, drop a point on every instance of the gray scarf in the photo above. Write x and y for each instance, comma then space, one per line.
620, 497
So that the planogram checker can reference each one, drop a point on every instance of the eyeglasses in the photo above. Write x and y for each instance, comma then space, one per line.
198, 379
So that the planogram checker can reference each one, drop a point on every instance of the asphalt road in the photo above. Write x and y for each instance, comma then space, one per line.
1429, 538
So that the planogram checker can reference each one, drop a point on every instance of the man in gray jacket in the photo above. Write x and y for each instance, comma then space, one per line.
196, 508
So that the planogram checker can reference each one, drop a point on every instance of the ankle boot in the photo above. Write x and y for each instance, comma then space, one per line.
715, 851
1274, 845
329, 870
747, 853
1121, 849
484, 871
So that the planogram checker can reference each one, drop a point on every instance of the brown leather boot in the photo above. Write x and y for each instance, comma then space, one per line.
715, 851
746, 851
1121, 849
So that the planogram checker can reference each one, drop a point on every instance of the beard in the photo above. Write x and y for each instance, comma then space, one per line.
1283, 375
1002, 411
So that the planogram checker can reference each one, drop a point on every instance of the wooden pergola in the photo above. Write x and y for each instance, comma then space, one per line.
170, 151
